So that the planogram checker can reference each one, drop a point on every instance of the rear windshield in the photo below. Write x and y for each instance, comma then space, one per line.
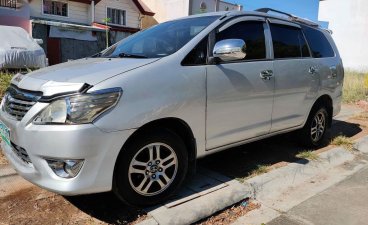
161, 40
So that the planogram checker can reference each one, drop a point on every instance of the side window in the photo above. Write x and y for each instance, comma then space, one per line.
318, 43
288, 42
253, 35
198, 55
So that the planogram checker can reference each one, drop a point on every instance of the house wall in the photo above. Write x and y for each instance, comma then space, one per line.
132, 13
77, 12
16, 17
168, 9
196, 6
349, 22
223, 6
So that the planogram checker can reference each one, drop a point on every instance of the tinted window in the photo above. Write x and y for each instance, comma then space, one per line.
198, 55
160, 40
318, 43
253, 35
288, 42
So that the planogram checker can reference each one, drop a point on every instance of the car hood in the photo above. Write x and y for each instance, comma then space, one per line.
83, 71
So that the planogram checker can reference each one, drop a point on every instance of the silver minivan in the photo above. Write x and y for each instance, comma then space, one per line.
135, 118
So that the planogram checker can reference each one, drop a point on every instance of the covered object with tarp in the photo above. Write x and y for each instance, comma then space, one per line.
19, 50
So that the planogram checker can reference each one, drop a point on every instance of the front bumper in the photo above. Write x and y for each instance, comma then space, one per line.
99, 149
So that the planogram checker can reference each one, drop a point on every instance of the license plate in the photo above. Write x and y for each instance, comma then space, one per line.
5, 133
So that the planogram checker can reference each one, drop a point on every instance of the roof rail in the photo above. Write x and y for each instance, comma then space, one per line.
290, 16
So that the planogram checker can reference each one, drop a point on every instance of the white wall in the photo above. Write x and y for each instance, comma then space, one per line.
196, 4
348, 19
231, 7
168, 9
132, 12
77, 12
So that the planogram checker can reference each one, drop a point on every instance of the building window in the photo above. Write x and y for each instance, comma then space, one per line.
117, 16
55, 8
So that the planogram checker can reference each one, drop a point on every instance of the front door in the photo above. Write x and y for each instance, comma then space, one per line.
239, 101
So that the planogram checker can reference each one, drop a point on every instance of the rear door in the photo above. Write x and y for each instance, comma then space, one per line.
327, 63
239, 101
296, 78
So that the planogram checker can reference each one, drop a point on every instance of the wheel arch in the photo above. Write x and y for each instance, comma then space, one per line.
326, 101
176, 125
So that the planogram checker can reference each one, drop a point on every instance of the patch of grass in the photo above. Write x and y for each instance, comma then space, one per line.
310, 155
344, 142
355, 86
3, 160
260, 169
5, 79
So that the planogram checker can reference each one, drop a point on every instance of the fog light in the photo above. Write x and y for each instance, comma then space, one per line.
68, 168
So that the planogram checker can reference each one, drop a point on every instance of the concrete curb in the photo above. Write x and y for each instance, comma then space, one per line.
278, 190
7, 171
282, 189
199, 208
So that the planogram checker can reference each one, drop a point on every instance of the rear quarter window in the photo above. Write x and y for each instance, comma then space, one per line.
318, 43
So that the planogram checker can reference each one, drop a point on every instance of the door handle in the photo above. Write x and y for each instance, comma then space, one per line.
312, 70
266, 74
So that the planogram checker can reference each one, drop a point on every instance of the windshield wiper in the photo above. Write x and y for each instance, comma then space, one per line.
126, 55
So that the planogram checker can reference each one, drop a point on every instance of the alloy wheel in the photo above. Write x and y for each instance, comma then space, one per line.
152, 169
318, 126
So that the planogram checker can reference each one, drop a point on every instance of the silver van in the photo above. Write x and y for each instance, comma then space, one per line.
135, 118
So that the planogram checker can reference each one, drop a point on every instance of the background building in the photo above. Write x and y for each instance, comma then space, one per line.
172, 9
348, 19
15, 13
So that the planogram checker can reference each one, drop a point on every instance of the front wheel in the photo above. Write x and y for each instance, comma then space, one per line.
314, 130
151, 168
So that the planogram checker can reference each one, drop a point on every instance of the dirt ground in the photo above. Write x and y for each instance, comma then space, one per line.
34, 205
37, 206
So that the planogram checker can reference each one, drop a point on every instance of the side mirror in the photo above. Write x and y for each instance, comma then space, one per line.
230, 49
39, 41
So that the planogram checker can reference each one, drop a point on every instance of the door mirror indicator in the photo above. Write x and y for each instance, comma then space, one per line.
230, 49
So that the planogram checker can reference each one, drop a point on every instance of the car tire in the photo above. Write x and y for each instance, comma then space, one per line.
314, 131
151, 168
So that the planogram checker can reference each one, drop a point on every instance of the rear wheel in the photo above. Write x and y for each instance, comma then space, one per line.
151, 168
314, 130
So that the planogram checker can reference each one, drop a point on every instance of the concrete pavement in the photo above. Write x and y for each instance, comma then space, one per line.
325, 192
344, 203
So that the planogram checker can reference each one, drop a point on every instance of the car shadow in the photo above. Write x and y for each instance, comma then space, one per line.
241, 161
105, 207
238, 162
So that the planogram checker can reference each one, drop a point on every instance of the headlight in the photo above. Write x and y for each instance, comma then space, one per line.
80, 108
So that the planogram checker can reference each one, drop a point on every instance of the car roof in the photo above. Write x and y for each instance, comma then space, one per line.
230, 14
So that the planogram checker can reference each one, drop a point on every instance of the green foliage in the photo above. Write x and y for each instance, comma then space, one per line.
5, 79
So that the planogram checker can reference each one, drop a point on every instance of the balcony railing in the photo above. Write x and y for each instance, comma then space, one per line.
8, 3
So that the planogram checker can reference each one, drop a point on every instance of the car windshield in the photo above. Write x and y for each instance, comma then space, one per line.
159, 41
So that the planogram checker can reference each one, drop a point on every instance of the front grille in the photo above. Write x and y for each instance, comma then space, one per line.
21, 153
18, 102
